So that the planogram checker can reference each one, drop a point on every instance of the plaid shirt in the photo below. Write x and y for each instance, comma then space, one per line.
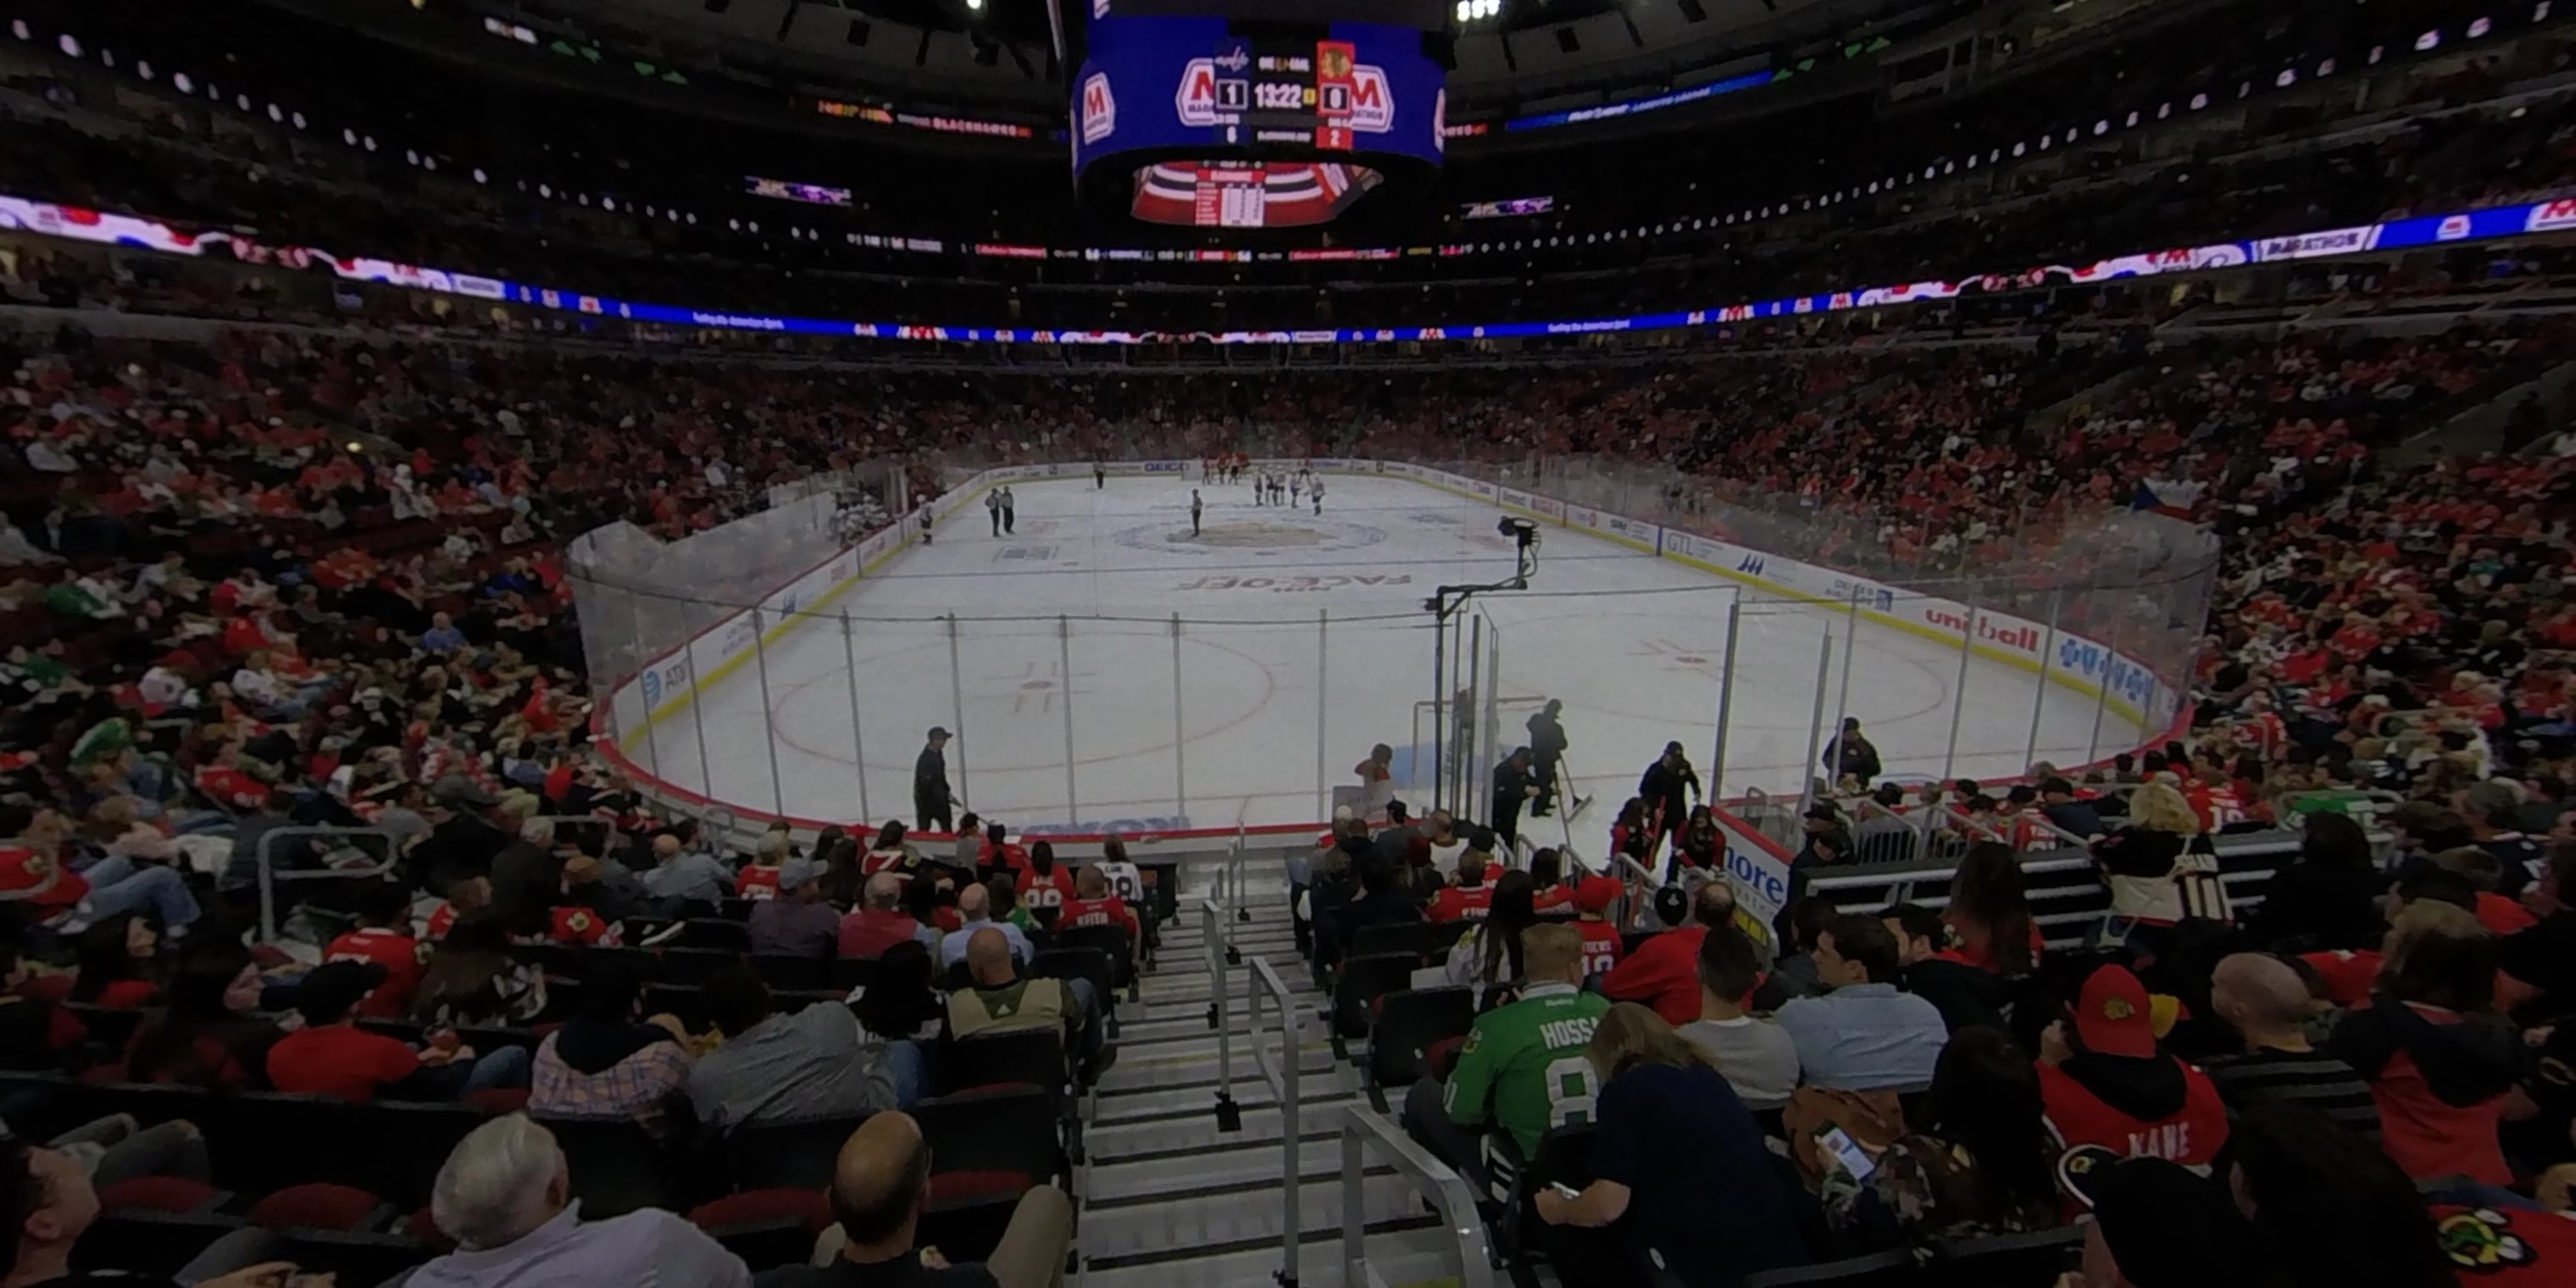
635, 1087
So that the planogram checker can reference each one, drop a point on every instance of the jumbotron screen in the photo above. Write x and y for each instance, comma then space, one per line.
1322, 114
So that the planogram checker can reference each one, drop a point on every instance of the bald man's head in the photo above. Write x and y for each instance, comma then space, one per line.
974, 903
880, 1182
2257, 991
988, 957
883, 891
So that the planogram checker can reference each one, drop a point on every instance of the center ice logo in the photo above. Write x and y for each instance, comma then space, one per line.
1258, 536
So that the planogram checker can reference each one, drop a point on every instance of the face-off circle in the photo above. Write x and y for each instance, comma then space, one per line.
1254, 535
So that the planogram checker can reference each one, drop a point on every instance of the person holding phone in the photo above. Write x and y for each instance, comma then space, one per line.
1678, 1163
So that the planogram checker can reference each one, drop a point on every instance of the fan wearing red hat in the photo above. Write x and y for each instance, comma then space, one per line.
2110, 1094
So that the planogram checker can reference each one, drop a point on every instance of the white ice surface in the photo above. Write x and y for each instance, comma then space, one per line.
1634, 645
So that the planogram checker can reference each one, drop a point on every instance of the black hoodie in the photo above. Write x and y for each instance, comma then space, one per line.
2463, 1064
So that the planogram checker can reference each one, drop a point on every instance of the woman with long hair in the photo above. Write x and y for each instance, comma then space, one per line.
2161, 870
205, 1035
1678, 1163
2330, 1210
1980, 1164
1632, 833
1988, 912
118, 958
1490, 954
472, 980
843, 877
890, 850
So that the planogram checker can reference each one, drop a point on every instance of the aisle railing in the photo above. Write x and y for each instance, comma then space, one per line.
1280, 1072
1365, 1132
264, 854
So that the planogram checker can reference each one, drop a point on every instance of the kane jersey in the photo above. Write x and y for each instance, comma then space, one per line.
1522, 1067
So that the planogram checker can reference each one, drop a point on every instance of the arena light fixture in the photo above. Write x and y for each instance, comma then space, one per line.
143, 69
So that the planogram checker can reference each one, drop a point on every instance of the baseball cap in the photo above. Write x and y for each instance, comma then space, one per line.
794, 873
2114, 1016
2168, 1228
1596, 894
457, 789
937, 732
330, 989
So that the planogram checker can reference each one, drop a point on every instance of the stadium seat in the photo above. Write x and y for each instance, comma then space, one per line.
2031, 1260
1409, 1022
692, 967
1400, 937
786, 1155
1361, 982
360, 1258
1083, 963
721, 934
616, 1166
319, 1206
1026, 1057
1894, 1268
786, 970
1109, 940
994, 1129
144, 1242
846, 973
1564, 1158
766, 1228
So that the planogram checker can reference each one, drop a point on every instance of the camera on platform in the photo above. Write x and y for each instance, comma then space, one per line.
1519, 530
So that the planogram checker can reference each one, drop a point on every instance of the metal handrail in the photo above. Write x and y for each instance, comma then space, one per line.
1634, 872
1281, 1074
1213, 924
1468, 1250
269, 876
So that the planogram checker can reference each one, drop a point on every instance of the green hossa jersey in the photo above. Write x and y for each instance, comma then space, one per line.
1527, 1060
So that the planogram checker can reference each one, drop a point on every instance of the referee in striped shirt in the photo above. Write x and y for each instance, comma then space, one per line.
2269, 1006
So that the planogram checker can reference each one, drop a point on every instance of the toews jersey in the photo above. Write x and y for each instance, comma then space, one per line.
1522, 1067
1600, 946
1455, 903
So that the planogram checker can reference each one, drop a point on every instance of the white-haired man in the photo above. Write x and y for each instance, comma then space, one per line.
504, 1195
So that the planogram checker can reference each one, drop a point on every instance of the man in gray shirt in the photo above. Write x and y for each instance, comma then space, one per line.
797, 923
1757, 1057
975, 905
776, 1067
686, 876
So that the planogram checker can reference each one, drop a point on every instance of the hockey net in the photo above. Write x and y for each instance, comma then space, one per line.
1466, 750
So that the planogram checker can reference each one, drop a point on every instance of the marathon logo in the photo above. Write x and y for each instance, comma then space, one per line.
1099, 108
2329, 241
2551, 216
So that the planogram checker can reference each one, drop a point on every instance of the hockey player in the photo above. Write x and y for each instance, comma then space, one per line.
1315, 491
1197, 507
1297, 488
1260, 491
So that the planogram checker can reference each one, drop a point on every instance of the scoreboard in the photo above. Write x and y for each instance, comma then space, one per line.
1242, 98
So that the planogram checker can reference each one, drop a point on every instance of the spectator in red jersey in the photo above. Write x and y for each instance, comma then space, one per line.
36, 856
881, 921
1093, 905
1489, 954
2111, 1094
1664, 971
332, 1056
1043, 887
2438, 1058
1699, 846
758, 879
465, 895
1591, 898
383, 938
118, 957
1470, 899
582, 912
1001, 854
891, 851
206, 1035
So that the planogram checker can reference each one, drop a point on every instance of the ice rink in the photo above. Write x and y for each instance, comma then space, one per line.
1301, 641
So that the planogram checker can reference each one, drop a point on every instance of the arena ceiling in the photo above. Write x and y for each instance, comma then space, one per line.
1004, 52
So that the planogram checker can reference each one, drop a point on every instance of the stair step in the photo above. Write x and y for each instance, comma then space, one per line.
1247, 1165
1403, 1254
1200, 1102
1173, 1135
1126, 1082
1186, 1226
